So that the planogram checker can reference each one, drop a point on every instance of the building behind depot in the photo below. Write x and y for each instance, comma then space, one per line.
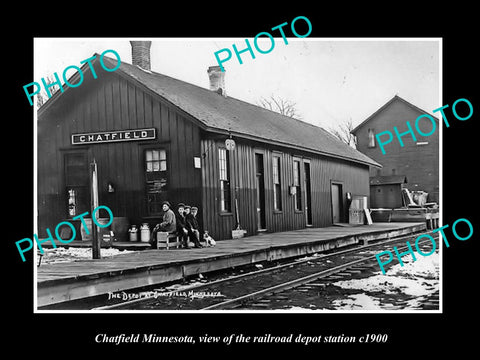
416, 164
156, 138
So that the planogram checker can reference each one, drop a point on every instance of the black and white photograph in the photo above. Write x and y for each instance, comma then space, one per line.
286, 181
215, 182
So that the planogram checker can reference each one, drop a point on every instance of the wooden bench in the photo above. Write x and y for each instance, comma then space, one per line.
167, 240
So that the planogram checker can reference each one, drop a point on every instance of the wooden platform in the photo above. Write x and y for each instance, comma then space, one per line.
61, 282
120, 245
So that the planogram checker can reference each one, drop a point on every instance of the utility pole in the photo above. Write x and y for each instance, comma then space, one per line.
93, 206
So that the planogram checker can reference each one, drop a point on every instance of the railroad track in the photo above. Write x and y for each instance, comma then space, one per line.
236, 291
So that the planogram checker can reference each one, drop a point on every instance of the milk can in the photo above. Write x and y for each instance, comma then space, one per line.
133, 233
144, 233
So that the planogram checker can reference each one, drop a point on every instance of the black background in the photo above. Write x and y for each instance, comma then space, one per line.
62, 335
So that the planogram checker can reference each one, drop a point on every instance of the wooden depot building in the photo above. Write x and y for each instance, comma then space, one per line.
156, 138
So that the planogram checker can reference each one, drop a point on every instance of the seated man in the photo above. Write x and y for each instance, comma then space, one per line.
192, 227
182, 230
196, 226
168, 224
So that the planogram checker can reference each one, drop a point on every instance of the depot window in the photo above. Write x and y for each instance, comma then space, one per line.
224, 171
156, 175
277, 187
296, 184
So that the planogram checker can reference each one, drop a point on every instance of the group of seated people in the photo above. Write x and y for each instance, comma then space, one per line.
183, 223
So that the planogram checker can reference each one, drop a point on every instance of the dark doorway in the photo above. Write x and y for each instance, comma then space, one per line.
337, 203
308, 194
260, 187
77, 183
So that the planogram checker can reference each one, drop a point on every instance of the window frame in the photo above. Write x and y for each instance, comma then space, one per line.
160, 160
298, 193
224, 190
277, 187
371, 139
149, 207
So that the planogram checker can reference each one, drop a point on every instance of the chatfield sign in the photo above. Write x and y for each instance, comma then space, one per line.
113, 136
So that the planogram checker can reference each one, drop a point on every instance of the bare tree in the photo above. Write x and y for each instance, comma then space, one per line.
343, 132
282, 106
42, 96
40, 100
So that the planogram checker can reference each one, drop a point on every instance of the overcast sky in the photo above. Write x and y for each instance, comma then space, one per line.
330, 80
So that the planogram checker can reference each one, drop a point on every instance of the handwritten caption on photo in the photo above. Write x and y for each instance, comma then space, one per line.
156, 294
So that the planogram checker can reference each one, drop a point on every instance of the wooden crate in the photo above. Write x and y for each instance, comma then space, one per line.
166, 240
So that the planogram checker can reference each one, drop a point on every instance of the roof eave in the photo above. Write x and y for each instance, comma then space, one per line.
290, 146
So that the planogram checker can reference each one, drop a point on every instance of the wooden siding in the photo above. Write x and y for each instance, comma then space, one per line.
354, 178
114, 103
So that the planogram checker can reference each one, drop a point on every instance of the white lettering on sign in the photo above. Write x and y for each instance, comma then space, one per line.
114, 136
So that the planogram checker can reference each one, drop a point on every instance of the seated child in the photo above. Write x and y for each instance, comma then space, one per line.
192, 227
182, 229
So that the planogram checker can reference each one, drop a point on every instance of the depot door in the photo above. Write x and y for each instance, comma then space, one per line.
337, 204
76, 182
308, 193
260, 190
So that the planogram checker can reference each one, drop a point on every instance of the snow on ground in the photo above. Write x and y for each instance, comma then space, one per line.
358, 302
413, 282
63, 255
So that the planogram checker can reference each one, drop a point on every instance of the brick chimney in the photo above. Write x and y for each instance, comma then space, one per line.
141, 54
217, 80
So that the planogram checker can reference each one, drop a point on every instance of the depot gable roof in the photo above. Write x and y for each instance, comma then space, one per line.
216, 112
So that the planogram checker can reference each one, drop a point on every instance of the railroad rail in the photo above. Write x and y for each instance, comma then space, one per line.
343, 269
239, 289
